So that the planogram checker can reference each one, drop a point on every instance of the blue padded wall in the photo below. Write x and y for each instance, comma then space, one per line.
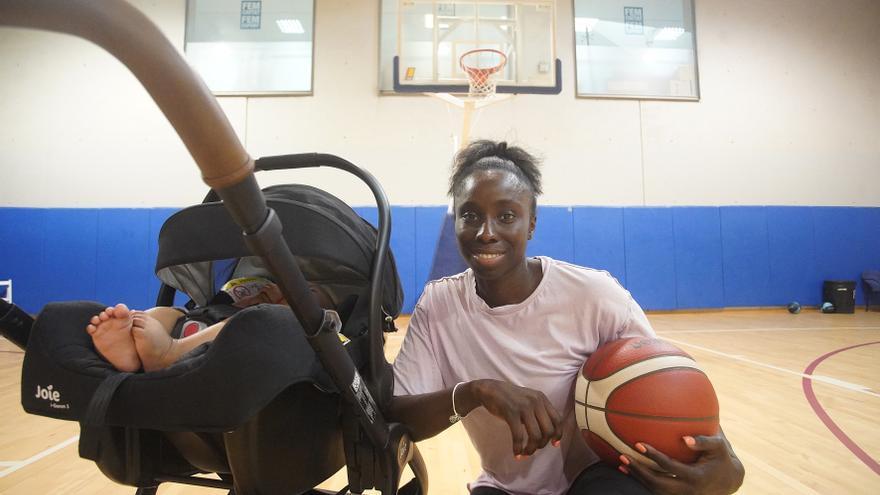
650, 256
678, 257
157, 219
403, 239
554, 235
792, 252
599, 240
123, 257
21, 254
429, 221
746, 256
847, 243
69, 258
699, 275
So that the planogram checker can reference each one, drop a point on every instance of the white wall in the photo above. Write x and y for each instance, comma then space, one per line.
790, 114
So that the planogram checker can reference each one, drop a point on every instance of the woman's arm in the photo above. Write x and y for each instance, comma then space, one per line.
426, 415
532, 419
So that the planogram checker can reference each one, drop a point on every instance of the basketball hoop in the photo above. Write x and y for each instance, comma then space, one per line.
482, 79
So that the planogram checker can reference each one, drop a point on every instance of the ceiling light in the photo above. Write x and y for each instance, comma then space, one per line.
669, 34
429, 21
290, 26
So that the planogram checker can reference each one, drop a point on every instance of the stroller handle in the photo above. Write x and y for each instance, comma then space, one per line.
309, 160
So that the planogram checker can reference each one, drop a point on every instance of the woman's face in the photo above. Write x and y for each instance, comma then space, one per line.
493, 222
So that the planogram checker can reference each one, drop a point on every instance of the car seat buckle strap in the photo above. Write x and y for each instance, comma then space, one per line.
97, 411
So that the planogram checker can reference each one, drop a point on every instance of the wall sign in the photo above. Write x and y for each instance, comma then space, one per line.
633, 20
250, 14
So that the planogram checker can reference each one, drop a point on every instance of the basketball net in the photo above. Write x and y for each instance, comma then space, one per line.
482, 75
482, 67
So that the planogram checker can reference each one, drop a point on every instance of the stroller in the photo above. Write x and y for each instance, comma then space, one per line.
283, 397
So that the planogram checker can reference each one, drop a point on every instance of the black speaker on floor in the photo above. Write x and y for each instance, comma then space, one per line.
840, 293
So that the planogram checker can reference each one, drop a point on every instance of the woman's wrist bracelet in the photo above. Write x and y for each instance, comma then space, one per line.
455, 418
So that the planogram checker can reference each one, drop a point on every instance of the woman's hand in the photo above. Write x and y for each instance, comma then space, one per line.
532, 419
717, 471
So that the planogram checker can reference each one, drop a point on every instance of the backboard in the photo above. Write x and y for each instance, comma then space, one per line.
433, 35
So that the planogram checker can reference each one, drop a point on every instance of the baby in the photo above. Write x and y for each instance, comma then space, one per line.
132, 340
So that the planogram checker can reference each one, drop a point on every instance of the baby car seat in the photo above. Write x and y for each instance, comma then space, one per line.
256, 406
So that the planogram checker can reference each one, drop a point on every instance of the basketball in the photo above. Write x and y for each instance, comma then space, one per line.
643, 390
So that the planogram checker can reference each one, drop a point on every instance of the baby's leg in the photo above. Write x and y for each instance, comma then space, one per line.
152, 340
167, 316
111, 333
155, 347
189, 343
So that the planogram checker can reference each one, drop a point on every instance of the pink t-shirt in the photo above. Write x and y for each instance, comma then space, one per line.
540, 343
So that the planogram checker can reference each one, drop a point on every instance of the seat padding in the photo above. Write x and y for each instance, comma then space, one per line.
260, 352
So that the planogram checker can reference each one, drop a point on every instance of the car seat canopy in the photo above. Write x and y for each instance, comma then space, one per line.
333, 247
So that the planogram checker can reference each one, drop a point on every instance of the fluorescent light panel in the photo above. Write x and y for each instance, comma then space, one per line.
669, 34
290, 26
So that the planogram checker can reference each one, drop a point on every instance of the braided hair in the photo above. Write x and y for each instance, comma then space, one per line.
491, 155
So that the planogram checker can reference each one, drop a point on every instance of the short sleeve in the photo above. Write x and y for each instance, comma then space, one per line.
637, 324
415, 368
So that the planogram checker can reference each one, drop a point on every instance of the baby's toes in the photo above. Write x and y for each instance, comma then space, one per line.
119, 311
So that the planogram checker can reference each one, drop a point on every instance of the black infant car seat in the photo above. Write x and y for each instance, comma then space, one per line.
255, 406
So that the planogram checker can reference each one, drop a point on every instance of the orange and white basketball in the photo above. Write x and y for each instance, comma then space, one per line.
643, 390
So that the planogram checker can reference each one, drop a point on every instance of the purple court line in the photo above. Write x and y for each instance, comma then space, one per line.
817, 408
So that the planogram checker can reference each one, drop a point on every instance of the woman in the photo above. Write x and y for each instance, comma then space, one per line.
501, 344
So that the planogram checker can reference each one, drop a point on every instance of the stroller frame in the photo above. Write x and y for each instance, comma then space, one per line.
376, 451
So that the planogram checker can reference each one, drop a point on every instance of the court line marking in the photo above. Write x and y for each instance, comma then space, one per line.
819, 378
9, 463
34, 458
776, 473
847, 442
778, 329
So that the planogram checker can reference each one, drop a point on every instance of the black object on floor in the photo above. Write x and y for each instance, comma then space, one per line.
841, 294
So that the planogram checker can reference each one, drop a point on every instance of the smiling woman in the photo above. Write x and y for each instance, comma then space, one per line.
500, 345
494, 199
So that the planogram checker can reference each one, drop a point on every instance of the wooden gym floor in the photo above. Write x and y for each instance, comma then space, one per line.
800, 401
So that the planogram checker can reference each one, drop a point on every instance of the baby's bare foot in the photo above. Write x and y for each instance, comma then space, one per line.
111, 333
153, 343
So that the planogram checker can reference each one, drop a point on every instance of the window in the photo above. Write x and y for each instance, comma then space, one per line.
636, 49
428, 38
251, 46
387, 44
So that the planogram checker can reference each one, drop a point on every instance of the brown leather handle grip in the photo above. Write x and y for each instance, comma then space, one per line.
128, 35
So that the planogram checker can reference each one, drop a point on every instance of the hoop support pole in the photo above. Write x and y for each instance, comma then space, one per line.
466, 124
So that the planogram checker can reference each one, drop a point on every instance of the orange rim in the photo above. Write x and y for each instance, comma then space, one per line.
481, 73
